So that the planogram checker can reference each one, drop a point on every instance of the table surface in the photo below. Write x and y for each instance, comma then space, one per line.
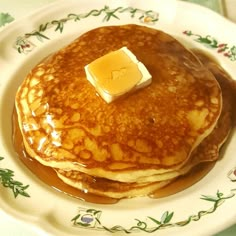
14, 9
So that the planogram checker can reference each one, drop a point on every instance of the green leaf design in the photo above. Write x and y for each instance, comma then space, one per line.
84, 224
109, 14
75, 218
232, 53
212, 43
7, 181
93, 211
164, 216
210, 198
154, 220
5, 18
43, 27
205, 40
38, 35
59, 25
233, 50
166, 219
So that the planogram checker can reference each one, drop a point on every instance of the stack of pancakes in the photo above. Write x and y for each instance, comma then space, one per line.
137, 144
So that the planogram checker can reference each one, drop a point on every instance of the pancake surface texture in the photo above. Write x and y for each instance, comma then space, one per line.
151, 132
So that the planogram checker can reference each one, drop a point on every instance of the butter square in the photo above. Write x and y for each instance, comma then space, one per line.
116, 74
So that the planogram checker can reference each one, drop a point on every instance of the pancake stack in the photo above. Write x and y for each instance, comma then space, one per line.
136, 144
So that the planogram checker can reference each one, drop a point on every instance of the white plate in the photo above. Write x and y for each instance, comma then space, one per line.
203, 209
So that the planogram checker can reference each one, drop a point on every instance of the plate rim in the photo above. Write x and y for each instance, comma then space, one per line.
37, 12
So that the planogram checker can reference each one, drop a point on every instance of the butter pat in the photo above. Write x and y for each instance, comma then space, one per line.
117, 73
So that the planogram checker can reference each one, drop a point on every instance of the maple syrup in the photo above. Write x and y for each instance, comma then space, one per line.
49, 176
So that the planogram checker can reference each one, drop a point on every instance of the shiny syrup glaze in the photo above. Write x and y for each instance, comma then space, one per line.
49, 176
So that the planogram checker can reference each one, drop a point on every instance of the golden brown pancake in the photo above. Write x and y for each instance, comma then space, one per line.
147, 136
109, 188
207, 151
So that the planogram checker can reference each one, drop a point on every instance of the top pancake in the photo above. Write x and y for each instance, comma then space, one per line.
65, 124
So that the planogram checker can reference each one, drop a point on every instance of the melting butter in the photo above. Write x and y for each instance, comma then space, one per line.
117, 73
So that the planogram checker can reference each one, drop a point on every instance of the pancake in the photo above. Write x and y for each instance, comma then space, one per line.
109, 188
207, 151
65, 124
136, 144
